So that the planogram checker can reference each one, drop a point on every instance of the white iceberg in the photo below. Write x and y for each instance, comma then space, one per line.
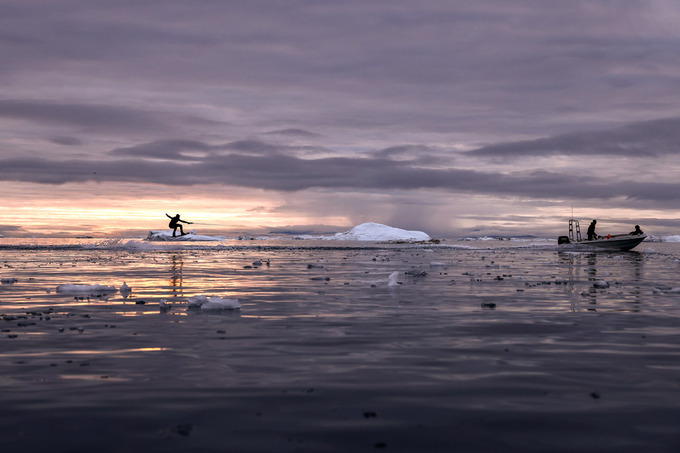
166, 235
213, 303
377, 232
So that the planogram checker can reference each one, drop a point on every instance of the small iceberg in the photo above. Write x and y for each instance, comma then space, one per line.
166, 235
125, 290
88, 290
213, 303
377, 232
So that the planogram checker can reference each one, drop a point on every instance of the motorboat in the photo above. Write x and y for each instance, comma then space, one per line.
619, 242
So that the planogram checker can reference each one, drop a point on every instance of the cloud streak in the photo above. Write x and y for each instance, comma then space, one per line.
646, 139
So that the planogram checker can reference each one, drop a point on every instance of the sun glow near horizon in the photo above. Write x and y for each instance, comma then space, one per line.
115, 209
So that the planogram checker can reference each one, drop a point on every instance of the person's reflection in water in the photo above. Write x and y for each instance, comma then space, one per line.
591, 270
176, 275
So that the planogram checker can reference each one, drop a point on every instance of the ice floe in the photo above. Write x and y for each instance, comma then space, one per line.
90, 290
166, 235
213, 303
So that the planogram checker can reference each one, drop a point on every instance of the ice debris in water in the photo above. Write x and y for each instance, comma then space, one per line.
665, 290
163, 305
392, 279
601, 284
213, 303
85, 289
125, 290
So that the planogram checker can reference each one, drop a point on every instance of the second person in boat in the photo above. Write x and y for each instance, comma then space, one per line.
591, 230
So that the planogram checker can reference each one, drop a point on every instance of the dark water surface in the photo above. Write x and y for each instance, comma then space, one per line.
481, 348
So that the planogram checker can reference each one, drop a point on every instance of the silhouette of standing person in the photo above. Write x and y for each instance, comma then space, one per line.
175, 223
591, 231
637, 231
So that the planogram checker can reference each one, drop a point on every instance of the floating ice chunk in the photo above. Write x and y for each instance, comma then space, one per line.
213, 303
85, 289
125, 290
437, 264
197, 301
392, 279
217, 303
601, 284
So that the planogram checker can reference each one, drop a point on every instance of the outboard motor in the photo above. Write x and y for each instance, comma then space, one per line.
563, 240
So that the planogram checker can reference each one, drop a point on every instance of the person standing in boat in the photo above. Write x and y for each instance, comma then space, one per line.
175, 223
591, 230
637, 232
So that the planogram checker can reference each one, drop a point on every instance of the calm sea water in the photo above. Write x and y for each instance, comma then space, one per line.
482, 346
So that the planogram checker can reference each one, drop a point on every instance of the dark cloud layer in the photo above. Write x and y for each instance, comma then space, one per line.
93, 117
280, 172
648, 139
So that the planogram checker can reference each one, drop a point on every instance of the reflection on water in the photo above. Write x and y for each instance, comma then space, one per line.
604, 275
176, 275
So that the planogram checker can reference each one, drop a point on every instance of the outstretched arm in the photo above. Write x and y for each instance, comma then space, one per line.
184, 221
166, 215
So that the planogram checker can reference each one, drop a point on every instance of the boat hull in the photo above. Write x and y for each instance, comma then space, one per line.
620, 243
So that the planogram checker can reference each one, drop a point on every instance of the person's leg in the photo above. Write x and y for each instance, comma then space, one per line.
174, 230
181, 230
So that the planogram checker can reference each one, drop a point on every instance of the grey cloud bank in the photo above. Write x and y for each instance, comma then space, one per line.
527, 101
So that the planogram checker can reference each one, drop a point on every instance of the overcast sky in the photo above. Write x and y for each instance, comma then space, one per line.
451, 117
